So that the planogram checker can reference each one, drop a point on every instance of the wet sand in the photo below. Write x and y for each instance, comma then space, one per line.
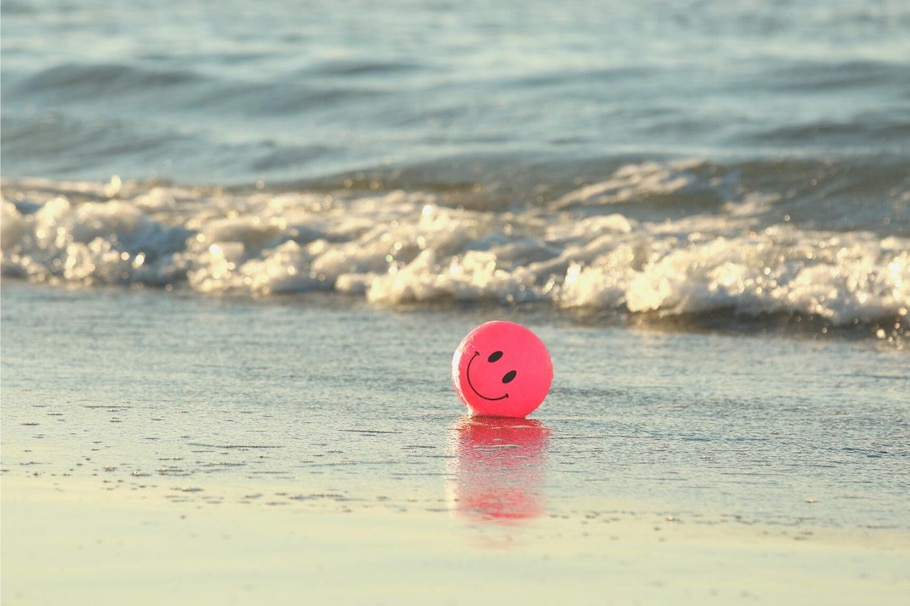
68, 542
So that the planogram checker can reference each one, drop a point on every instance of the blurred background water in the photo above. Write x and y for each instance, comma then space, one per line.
685, 160
281, 90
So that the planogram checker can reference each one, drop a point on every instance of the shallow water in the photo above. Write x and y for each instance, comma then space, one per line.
310, 404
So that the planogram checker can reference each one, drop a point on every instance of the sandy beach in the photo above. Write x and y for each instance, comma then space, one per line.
65, 542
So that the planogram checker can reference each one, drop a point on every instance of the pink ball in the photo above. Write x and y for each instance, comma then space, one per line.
502, 369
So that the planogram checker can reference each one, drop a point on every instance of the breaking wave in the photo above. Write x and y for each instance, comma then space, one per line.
708, 247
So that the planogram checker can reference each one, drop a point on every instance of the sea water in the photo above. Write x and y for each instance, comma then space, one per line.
245, 241
692, 162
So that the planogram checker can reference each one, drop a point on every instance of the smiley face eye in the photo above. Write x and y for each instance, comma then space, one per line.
507, 378
494, 356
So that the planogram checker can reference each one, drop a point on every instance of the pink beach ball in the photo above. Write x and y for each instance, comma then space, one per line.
502, 369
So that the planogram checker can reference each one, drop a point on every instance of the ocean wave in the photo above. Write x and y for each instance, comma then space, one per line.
85, 81
582, 250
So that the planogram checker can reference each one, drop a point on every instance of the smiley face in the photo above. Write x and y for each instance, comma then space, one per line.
502, 369
506, 378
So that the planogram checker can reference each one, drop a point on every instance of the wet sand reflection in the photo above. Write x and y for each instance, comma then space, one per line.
499, 468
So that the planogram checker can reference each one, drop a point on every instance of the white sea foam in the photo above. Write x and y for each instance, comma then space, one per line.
404, 247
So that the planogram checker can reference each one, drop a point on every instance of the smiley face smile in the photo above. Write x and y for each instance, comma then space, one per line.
505, 379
